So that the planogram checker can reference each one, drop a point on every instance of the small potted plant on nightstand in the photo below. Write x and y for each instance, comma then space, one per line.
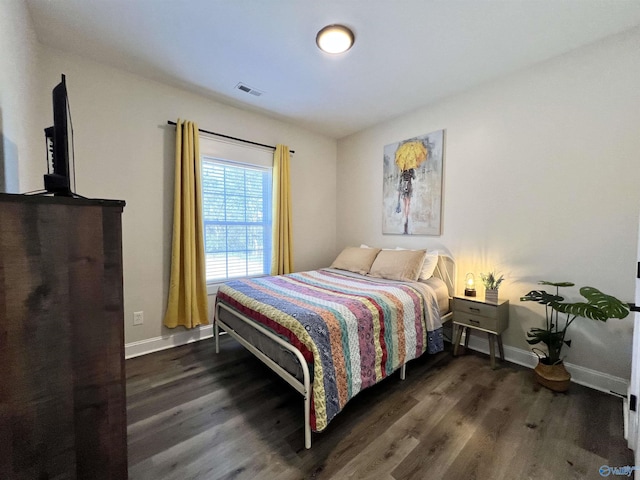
550, 370
491, 284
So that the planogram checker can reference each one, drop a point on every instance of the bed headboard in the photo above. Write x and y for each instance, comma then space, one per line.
446, 271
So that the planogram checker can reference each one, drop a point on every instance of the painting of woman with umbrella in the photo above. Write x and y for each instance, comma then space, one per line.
413, 180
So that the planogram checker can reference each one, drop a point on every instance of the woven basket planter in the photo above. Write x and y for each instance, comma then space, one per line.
491, 295
554, 377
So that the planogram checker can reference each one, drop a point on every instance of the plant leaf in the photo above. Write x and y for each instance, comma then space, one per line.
542, 297
599, 306
556, 284
581, 309
611, 306
549, 338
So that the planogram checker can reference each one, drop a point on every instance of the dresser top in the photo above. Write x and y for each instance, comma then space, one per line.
59, 200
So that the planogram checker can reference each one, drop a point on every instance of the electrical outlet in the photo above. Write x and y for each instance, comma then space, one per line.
138, 318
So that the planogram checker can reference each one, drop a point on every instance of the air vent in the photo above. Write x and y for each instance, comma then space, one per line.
247, 89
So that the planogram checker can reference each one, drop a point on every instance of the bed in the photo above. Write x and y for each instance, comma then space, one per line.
333, 332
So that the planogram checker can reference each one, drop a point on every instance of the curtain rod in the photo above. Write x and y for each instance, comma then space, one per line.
232, 138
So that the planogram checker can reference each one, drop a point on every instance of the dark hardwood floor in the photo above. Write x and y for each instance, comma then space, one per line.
193, 414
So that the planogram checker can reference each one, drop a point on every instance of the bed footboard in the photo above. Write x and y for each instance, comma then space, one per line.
303, 387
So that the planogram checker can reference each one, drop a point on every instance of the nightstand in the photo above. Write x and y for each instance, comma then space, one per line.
493, 318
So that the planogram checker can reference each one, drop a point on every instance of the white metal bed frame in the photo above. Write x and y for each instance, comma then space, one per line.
445, 270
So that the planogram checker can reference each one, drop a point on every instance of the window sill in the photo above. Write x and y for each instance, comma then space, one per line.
212, 287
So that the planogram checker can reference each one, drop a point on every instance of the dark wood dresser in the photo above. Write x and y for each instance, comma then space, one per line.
62, 382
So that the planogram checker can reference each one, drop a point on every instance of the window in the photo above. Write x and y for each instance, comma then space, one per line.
237, 218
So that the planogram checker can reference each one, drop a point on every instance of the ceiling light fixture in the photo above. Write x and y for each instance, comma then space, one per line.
335, 39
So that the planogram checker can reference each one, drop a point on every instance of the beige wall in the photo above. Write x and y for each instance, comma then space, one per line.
124, 149
542, 181
541, 175
21, 135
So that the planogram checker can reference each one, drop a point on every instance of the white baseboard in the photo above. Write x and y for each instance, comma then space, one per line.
580, 375
143, 347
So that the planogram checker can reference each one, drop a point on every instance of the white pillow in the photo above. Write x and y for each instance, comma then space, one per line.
429, 265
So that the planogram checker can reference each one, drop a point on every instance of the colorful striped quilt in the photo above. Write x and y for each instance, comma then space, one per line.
352, 330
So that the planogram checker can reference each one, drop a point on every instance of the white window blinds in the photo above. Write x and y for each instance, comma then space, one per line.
237, 211
237, 219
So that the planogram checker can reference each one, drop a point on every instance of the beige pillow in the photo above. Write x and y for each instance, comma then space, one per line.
355, 259
429, 264
398, 264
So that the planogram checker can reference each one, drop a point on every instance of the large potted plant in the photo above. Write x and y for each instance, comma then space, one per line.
559, 314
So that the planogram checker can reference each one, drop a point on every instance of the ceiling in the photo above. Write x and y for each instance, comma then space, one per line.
407, 54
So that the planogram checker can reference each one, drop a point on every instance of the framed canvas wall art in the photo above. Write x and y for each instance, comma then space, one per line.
412, 186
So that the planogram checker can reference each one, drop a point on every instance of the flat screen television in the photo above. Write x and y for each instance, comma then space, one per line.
58, 178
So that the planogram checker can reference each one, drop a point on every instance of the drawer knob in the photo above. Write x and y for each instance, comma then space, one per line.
474, 309
474, 321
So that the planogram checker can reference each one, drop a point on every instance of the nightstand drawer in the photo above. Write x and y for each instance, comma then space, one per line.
475, 308
477, 321
492, 318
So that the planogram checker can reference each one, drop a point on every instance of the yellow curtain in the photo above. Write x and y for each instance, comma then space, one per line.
282, 244
187, 303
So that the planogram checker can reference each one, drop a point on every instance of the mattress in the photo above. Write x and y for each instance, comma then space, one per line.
441, 292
